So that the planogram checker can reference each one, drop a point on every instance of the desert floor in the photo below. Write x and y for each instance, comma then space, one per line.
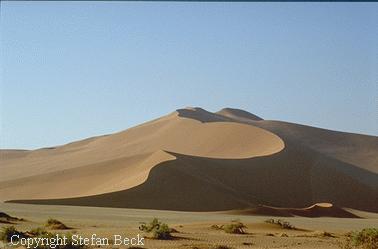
194, 229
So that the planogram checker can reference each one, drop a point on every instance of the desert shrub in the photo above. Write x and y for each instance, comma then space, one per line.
39, 231
216, 227
158, 229
270, 221
55, 224
236, 227
327, 234
281, 223
287, 225
164, 232
7, 232
367, 238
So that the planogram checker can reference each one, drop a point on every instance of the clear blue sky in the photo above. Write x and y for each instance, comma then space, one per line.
75, 70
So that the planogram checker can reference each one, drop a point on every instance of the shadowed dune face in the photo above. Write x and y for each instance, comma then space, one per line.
358, 150
238, 114
194, 160
206, 184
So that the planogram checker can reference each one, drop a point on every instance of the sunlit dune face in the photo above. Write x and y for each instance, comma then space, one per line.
324, 205
226, 140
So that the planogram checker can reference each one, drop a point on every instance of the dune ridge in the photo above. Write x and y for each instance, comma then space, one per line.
226, 160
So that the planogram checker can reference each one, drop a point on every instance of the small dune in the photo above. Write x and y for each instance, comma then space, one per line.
316, 210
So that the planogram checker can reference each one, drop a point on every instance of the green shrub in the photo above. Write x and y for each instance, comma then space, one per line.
164, 232
7, 232
367, 238
235, 228
157, 229
55, 224
281, 223
216, 227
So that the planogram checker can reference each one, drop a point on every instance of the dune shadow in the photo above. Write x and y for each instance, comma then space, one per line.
294, 177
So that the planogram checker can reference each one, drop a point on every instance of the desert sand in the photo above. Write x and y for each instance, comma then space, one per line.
194, 228
195, 160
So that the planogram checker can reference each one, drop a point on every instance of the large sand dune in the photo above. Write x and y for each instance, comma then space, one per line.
195, 160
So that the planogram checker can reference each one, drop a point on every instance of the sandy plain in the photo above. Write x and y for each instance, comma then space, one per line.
194, 228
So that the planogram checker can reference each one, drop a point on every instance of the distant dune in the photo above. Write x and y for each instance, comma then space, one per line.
195, 160
316, 210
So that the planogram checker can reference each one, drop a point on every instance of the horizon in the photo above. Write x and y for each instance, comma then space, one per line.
76, 70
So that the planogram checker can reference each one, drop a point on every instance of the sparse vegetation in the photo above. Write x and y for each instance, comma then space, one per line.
217, 227
367, 238
327, 234
281, 223
158, 229
36, 232
7, 232
235, 227
55, 224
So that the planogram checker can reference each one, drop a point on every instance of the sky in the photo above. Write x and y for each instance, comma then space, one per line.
72, 70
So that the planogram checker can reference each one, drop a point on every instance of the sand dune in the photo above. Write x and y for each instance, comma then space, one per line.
316, 210
123, 160
195, 160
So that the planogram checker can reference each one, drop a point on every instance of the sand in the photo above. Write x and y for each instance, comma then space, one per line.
194, 228
195, 160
